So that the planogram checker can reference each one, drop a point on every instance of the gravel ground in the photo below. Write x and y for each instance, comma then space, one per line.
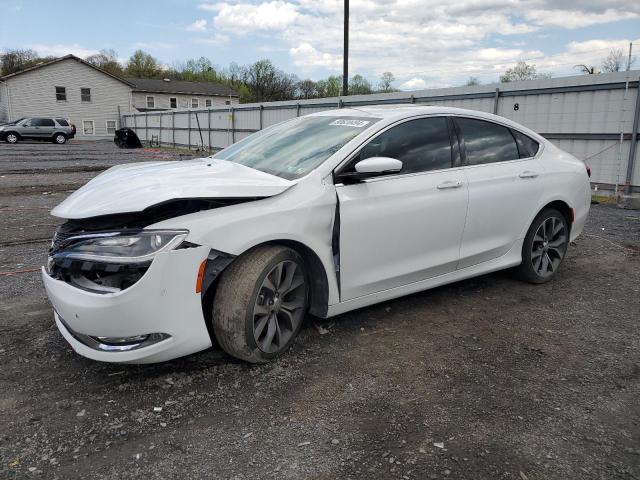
486, 378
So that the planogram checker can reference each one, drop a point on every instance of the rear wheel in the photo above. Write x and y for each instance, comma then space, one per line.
544, 247
60, 138
12, 137
260, 303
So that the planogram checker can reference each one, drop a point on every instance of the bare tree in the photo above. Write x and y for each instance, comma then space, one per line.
12, 61
306, 89
473, 81
106, 60
386, 79
614, 61
522, 71
588, 70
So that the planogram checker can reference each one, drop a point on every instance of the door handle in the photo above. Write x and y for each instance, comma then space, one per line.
450, 184
528, 174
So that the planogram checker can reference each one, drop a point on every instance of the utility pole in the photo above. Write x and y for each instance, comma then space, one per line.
629, 60
345, 54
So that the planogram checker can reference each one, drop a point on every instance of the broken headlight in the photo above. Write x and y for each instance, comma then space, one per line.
122, 247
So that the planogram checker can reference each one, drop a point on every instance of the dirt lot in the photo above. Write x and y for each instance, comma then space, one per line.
488, 378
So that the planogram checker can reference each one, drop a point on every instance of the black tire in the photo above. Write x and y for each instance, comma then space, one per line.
12, 137
59, 138
548, 235
242, 290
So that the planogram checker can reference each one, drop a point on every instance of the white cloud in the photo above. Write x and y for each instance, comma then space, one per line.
199, 25
243, 17
154, 45
414, 84
60, 50
305, 56
428, 41
576, 18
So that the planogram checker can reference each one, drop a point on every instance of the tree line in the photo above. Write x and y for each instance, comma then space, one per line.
262, 81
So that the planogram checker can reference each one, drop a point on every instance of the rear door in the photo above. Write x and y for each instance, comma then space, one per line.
505, 188
46, 127
404, 227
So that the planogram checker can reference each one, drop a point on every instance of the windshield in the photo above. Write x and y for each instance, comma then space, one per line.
15, 122
292, 149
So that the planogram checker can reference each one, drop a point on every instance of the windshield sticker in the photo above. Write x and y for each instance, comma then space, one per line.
350, 123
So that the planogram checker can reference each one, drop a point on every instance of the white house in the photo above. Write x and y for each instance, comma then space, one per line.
95, 100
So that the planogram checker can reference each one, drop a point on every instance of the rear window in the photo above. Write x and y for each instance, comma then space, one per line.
527, 146
487, 142
62, 122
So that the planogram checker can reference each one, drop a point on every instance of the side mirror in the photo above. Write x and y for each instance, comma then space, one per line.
372, 167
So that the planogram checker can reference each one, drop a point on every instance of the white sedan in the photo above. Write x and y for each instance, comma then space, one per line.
318, 215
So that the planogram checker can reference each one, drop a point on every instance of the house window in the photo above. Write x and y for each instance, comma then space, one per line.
207, 102
151, 102
112, 125
227, 102
87, 127
61, 94
194, 103
173, 102
85, 94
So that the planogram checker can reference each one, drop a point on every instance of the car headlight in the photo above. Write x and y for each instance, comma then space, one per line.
122, 247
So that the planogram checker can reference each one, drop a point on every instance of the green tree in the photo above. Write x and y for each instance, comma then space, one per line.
142, 65
330, 87
358, 85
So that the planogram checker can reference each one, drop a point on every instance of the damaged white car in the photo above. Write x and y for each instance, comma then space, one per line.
321, 214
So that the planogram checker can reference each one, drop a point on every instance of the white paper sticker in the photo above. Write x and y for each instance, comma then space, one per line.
343, 122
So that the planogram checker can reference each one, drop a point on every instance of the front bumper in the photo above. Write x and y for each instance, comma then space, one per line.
163, 301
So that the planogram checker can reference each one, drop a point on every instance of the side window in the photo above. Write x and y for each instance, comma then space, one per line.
85, 94
487, 142
151, 101
527, 147
421, 145
173, 102
207, 102
61, 94
47, 122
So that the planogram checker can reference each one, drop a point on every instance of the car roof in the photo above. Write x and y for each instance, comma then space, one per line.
392, 112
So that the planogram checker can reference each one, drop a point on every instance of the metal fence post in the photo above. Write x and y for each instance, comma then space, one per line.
261, 110
173, 129
146, 127
340, 103
160, 131
297, 109
189, 127
209, 128
233, 126
495, 101
413, 99
634, 142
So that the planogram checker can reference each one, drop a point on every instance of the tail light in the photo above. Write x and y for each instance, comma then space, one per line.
588, 170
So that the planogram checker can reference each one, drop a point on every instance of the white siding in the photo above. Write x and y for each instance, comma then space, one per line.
33, 93
139, 100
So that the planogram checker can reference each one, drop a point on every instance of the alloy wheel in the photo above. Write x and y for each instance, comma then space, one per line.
12, 138
549, 246
60, 139
279, 306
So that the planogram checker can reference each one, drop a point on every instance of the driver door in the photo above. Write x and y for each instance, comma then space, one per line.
405, 227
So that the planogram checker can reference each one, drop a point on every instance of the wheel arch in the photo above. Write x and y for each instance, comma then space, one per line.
14, 132
317, 275
563, 207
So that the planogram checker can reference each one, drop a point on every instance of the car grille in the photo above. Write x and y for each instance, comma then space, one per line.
60, 240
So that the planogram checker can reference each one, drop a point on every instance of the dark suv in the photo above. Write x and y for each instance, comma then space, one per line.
56, 130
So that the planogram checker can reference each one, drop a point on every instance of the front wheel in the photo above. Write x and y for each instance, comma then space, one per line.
12, 137
544, 247
260, 303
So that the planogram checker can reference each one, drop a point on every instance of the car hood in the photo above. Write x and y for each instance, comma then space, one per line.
134, 187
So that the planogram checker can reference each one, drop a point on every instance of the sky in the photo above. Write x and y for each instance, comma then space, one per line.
424, 43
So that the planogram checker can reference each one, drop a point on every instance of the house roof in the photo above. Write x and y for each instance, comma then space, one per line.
180, 86
61, 59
